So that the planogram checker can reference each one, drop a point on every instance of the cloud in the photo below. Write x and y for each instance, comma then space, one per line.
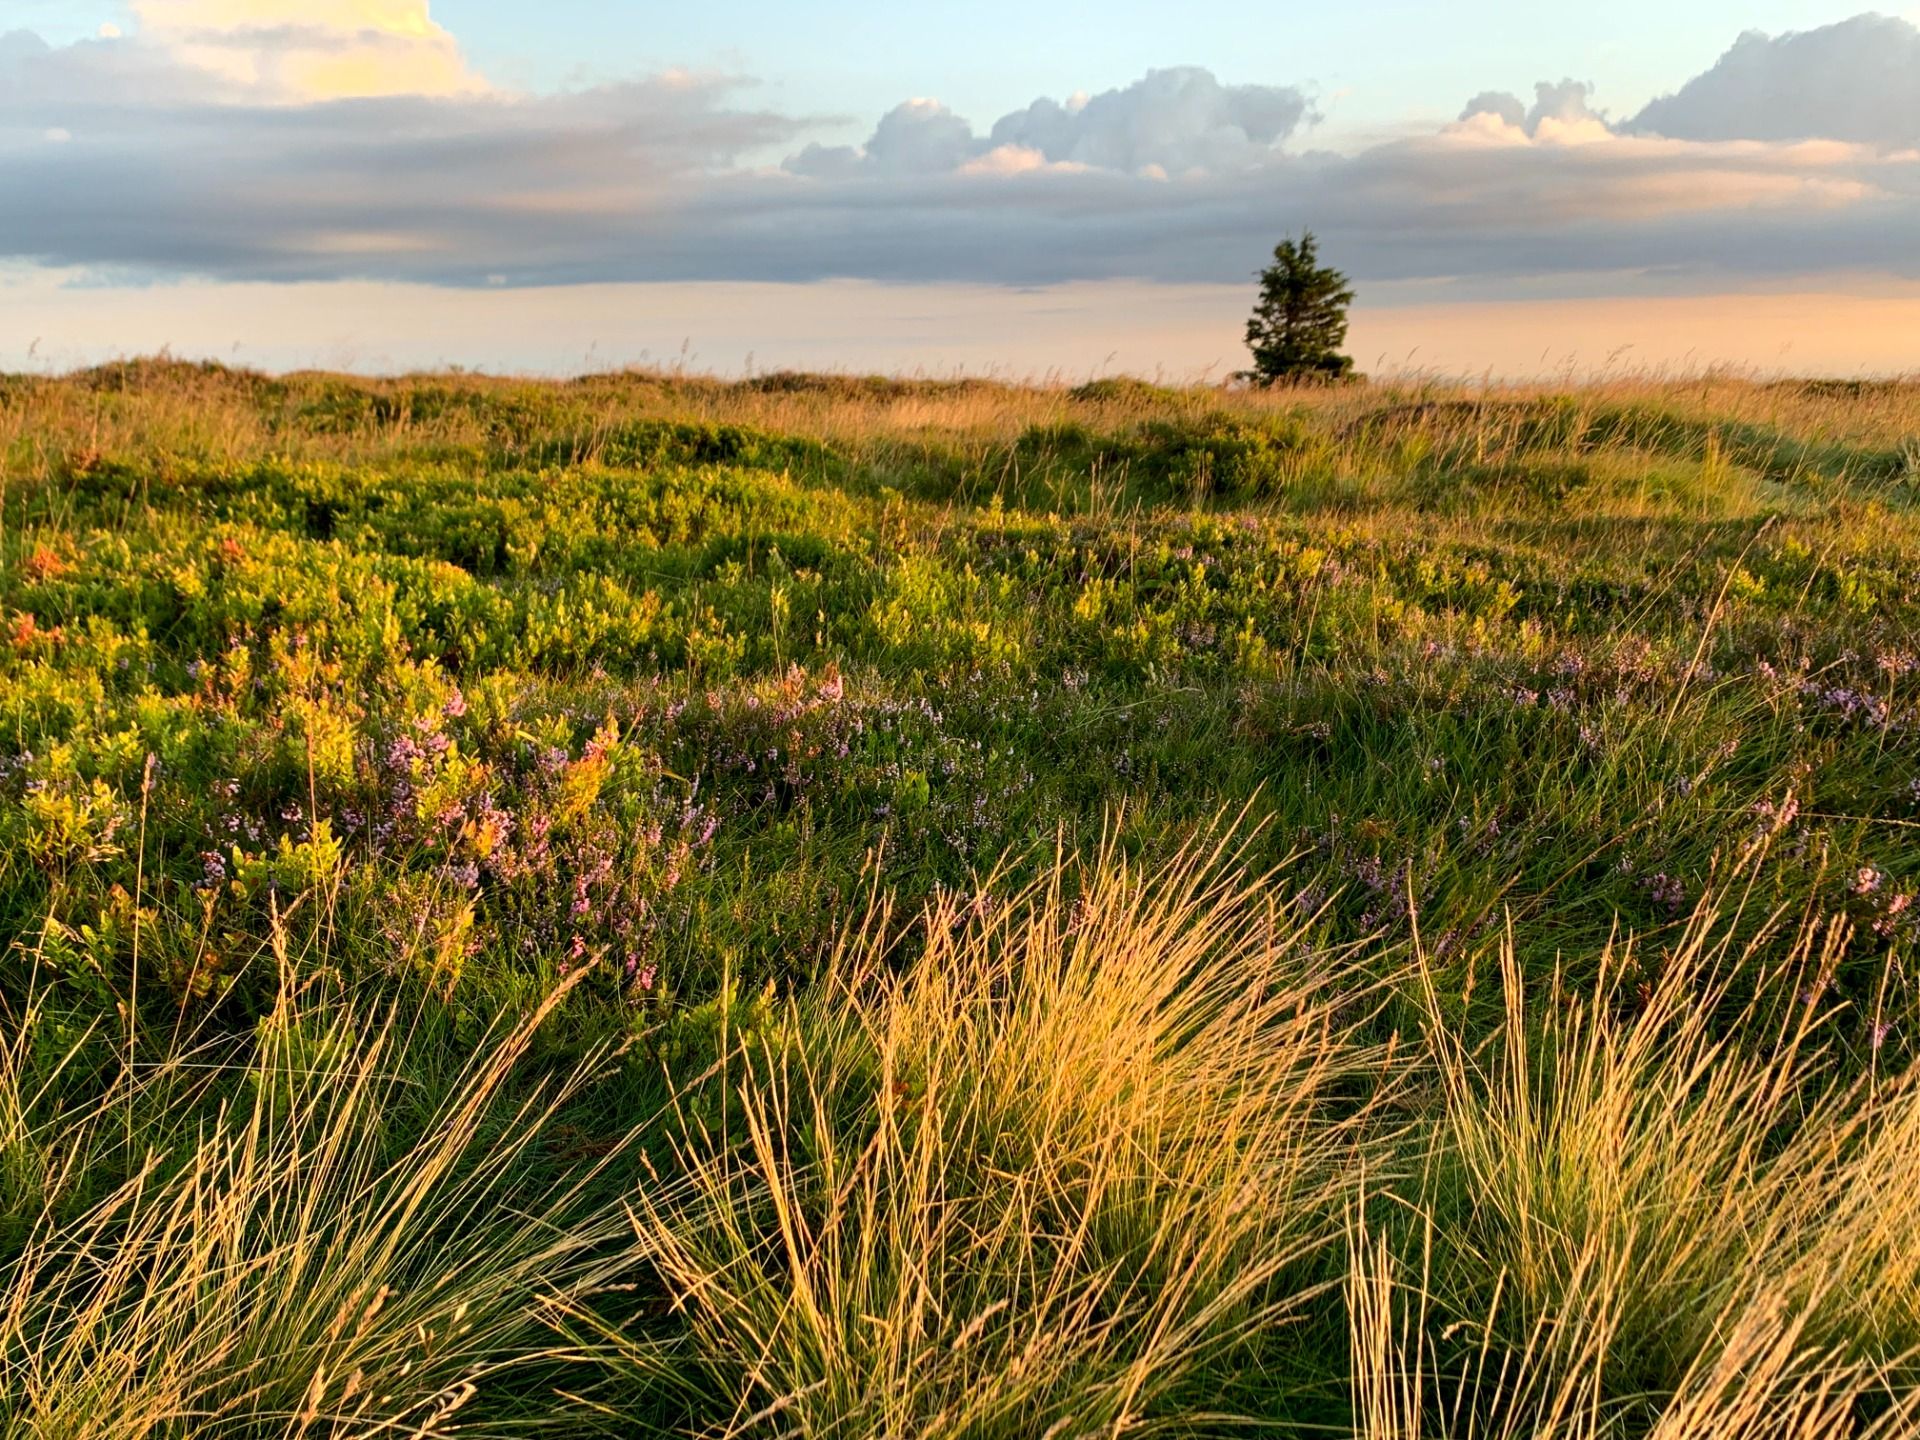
1019, 160
242, 53
166, 174
40, 81
1858, 81
1169, 122
184, 165
1499, 104
913, 138
1175, 120
1558, 111
296, 50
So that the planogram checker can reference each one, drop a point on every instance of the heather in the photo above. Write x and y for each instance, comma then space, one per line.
816, 905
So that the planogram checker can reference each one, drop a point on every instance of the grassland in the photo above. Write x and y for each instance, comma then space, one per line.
816, 906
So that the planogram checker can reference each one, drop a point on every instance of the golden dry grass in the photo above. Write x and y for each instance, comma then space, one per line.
159, 408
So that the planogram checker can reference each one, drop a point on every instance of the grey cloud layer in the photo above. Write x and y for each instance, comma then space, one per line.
96, 171
1178, 177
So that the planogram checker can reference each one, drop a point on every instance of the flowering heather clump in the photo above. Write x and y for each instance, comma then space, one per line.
1669, 893
1847, 703
1774, 817
1894, 916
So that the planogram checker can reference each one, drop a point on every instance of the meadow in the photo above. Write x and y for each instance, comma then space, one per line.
846, 907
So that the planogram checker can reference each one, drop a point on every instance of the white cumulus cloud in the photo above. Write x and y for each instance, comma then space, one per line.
1858, 80
1171, 121
1178, 119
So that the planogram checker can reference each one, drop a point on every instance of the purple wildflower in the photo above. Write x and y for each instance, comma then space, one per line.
1667, 892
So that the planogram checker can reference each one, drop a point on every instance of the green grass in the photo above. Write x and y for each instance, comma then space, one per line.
716, 897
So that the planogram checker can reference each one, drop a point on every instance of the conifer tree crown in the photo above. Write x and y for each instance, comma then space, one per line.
1299, 324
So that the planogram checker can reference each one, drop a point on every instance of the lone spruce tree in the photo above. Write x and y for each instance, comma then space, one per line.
1297, 328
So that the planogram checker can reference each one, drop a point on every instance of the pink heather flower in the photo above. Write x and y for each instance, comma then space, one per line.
648, 975
1866, 880
1667, 891
577, 949
455, 707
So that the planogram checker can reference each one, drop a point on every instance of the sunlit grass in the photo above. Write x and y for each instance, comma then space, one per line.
1062, 1173
293, 1262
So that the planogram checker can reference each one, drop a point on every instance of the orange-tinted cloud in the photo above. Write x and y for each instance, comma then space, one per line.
304, 50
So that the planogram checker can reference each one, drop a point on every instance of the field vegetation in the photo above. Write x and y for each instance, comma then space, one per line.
846, 907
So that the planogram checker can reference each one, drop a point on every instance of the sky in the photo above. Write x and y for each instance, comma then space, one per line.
1019, 188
